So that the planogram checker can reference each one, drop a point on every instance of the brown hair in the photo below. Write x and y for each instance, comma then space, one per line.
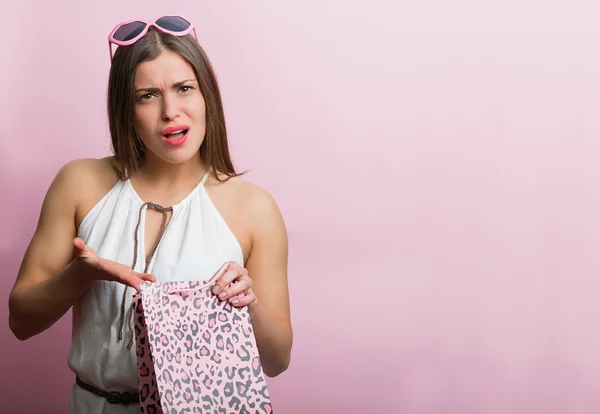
128, 149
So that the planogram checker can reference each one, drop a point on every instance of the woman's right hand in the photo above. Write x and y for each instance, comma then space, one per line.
94, 267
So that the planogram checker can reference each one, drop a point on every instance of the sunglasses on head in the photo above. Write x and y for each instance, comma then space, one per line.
128, 33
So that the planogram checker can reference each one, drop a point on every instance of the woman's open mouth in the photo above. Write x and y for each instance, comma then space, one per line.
176, 135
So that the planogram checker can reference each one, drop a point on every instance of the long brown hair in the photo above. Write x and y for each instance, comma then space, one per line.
128, 149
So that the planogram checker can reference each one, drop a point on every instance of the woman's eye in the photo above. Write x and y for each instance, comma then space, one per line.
185, 88
146, 97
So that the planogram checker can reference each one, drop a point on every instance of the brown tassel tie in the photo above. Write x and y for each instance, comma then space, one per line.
164, 211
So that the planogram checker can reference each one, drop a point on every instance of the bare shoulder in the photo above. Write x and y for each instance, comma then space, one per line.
250, 211
73, 189
264, 212
254, 202
84, 181
83, 170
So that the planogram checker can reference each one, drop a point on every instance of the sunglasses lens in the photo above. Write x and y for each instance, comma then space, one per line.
129, 31
173, 23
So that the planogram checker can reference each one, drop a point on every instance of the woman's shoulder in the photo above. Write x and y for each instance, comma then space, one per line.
86, 181
90, 168
253, 202
240, 190
88, 174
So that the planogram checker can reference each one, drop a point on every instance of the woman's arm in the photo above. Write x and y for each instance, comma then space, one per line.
263, 282
267, 267
47, 283
58, 268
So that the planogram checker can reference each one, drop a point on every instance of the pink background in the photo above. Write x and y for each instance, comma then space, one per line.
437, 163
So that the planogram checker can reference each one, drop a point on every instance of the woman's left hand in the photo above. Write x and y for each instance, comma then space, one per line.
232, 282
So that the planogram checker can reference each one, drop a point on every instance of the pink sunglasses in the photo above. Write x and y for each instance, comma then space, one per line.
128, 33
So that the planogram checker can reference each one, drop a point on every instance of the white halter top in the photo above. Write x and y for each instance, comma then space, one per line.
195, 244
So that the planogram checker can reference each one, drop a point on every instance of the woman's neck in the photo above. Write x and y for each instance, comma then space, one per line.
166, 183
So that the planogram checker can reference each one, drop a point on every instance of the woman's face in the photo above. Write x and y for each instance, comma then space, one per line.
170, 112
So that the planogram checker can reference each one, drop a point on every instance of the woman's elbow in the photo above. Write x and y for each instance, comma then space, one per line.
278, 362
278, 367
17, 328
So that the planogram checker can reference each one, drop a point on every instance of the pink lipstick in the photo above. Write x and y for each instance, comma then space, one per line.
175, 135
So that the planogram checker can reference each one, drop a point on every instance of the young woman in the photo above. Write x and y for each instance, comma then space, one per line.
168, 205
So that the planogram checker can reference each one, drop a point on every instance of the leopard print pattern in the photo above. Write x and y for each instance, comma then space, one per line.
196, 353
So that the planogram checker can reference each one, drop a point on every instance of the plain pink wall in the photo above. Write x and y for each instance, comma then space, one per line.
437, 163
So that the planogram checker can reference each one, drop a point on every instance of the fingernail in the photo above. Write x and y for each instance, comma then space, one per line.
235, 301
216, 289
222, 295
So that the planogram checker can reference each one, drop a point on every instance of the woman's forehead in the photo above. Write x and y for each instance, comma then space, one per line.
168, 68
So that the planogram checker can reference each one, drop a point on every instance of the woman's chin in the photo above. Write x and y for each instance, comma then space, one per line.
181, 158
175, 154
176, 157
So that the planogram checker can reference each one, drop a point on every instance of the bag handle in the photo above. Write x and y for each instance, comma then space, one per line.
174, 289
218, 275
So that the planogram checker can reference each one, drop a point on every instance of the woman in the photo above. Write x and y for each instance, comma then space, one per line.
167, 206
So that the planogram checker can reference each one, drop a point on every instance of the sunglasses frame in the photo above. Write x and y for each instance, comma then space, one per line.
148, 24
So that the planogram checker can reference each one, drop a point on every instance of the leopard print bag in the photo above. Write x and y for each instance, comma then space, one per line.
196, 353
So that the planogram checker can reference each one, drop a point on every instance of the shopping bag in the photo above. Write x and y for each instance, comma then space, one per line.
196, 353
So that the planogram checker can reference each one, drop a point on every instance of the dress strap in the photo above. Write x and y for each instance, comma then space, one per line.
206, 175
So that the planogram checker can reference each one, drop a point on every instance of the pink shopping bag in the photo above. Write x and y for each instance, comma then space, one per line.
196, 353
